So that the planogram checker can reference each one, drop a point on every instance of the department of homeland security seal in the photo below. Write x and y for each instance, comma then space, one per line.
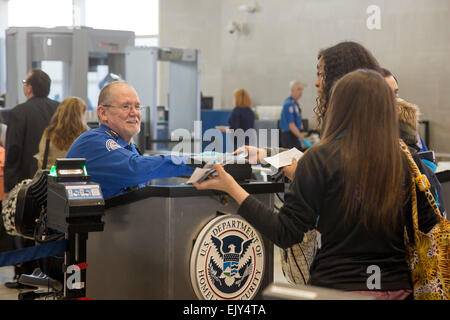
227, 261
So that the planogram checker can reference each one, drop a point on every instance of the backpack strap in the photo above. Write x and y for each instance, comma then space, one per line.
421, 181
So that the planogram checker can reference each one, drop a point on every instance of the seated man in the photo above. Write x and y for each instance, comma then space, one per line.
111, 159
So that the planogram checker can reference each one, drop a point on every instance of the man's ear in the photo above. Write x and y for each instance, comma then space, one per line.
102, 115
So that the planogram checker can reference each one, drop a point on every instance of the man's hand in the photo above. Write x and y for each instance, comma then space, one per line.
305, 142
289, 171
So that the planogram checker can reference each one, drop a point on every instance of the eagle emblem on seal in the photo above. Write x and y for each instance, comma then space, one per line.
231, 263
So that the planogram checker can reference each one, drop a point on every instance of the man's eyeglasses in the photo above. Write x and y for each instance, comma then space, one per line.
24, 81
125, 108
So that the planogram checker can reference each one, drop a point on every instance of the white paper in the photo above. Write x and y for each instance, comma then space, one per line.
197, 174
284, 158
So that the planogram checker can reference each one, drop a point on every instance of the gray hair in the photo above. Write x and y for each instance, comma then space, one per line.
105, 94
294, 83
104, 97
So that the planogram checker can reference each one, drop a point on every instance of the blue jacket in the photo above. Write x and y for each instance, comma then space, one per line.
290, 113
117, 165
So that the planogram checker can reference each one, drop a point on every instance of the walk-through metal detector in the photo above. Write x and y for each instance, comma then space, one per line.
85, 57
159, 123
79, 49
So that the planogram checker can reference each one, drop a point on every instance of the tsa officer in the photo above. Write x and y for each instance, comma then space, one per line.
291, 119
112, 160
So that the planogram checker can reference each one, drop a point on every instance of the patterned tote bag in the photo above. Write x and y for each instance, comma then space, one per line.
429, 256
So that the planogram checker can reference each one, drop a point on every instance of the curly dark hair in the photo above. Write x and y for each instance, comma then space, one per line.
339, 60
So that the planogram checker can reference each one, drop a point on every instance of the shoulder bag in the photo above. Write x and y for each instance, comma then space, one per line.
429, 256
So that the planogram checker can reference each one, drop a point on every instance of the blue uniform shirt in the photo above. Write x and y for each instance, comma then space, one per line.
116, 166
290, 113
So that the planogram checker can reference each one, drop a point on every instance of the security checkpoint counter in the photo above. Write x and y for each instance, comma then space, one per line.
172, 241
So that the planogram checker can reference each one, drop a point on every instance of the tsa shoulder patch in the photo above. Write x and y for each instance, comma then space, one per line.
227, 261
291, 109
112, 145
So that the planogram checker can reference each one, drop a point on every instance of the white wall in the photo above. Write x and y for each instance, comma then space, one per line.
285, 36
194, 24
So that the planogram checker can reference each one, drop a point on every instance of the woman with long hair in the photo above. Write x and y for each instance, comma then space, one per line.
353, 187
65, 126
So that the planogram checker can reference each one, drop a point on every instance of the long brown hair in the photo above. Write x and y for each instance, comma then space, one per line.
362, 114
67, 123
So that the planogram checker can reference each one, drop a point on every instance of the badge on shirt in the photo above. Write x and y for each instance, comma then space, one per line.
291, 109
112, 145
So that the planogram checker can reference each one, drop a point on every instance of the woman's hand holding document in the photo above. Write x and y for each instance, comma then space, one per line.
283, 159
286, 160
201, 174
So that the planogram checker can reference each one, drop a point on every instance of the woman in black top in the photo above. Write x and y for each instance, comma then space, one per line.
353, 187
242, 117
